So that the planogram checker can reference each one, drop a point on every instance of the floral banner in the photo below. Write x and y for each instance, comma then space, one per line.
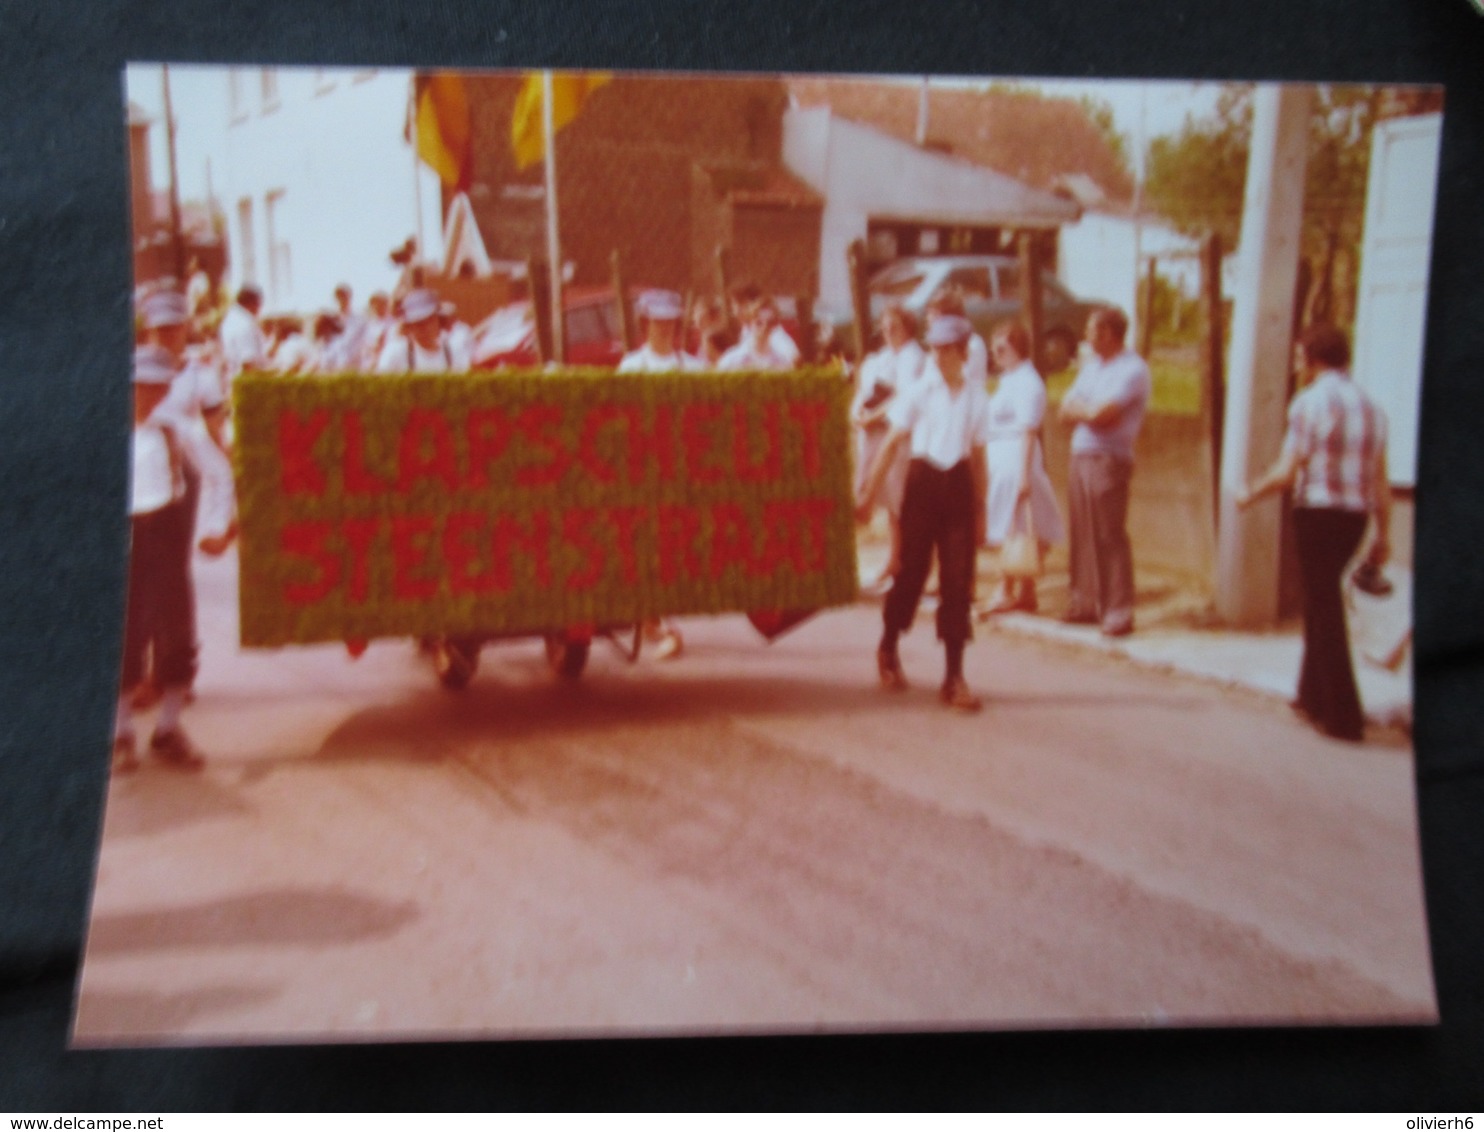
512, 503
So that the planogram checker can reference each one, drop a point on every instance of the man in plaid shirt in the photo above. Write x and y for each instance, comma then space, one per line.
1334, 460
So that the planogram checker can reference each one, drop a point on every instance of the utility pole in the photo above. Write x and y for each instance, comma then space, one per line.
1261, 351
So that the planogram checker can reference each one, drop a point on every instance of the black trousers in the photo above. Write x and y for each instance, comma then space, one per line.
1327, 540
938, 512
161, 612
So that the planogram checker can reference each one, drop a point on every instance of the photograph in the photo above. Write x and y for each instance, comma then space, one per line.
641, 554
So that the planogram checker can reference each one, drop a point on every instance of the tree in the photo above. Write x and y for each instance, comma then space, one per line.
1197, 177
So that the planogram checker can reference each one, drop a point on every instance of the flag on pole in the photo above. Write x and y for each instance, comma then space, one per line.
570, 91
444, 143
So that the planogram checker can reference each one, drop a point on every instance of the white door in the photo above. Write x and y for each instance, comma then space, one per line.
1391, 313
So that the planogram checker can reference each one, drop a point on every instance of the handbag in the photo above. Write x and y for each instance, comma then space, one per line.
1020, 557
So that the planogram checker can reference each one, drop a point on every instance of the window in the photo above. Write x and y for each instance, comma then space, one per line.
236, 96
246, 242
898, 286
280, 278
268, 83
972, 281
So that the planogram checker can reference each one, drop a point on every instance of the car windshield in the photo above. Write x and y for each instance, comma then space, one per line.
897, 285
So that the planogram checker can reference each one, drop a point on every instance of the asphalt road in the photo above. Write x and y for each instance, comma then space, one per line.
750, 838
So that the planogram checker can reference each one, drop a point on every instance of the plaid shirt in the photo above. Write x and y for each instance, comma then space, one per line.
1338, 436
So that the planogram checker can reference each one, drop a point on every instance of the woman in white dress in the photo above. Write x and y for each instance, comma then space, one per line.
1019, 488
893, 369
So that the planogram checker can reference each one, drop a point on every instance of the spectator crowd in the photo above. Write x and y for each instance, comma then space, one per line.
954, 466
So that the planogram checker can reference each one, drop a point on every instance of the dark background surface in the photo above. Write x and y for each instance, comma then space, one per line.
64, 286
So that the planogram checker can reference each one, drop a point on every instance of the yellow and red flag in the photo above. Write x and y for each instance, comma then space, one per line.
444, 136
570, 91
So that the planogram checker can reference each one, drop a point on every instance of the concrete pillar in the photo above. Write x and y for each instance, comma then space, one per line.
1261, 352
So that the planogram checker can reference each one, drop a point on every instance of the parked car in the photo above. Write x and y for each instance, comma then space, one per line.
991, 290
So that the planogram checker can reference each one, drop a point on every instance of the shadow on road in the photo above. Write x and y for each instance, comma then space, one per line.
157, 800
282, 916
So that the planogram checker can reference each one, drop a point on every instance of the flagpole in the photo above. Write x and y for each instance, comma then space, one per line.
553, 236
417, 181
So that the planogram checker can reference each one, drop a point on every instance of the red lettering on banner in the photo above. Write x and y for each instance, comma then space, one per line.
359, 535
577, 530
488, 432
597, 418
731, 539
297, 436
538, 424
780, 538
310, 540
534, 538
426, 450
411, 536
810, 415
770, 468
626, 522
679, 527
358, 480
697, 433
461, 553
657, 443
814, 515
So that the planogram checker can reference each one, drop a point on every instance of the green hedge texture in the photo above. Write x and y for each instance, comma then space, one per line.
510, 503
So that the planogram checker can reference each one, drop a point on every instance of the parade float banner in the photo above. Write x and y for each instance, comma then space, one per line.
375, 506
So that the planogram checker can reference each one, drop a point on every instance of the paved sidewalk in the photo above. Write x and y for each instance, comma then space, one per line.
1176, 631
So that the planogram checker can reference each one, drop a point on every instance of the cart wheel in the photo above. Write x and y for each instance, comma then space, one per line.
455, 661
567, 658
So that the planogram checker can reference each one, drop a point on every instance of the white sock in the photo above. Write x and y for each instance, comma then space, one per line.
123, 718
171, 705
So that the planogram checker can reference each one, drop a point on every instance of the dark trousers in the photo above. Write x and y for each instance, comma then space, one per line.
938, 510
161, 614
1102, 559
1327, 540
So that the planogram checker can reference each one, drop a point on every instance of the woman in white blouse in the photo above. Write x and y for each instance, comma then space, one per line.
1019, 489
893, 369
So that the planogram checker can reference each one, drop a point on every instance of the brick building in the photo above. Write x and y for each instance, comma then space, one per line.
662, 170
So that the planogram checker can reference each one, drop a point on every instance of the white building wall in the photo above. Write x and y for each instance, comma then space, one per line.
1099, 260
321, 182
863, 173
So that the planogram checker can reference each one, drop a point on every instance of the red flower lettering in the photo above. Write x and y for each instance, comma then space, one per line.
297, 436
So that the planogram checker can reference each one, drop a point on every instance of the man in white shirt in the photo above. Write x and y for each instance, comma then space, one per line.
660, 313
243, 344
1106, 406
945, 419
350, 344
196, 394
379, 325
160, 619
419, 347
757, 350
780, 341
459, 336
